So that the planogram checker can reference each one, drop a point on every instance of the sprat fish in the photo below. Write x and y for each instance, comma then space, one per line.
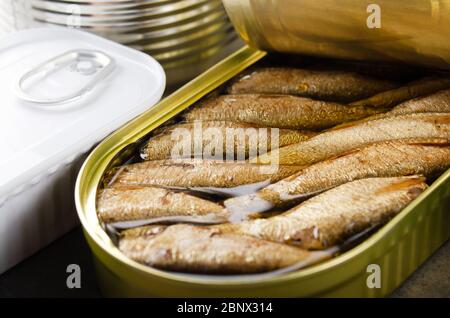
336, 141
438, 102
196, 249
335, 215
190, 173
141, 205
411, 90
334, 85
383, 159
218, 139
283, 111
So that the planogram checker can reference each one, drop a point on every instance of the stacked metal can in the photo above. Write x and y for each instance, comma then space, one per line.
185, 36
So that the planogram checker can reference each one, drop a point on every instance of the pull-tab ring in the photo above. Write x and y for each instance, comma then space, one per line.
86, 62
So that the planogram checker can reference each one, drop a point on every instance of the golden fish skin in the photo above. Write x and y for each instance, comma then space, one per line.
130, 204
331, 217
438, 102
333, 85
198, 249
414, 89
188, 173
161, 146
283, 111
350, 136
383, 159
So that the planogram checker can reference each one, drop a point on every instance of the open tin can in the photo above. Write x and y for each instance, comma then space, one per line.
415, 31
398, 247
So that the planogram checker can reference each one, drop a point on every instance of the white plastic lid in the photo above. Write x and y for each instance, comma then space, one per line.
47, 119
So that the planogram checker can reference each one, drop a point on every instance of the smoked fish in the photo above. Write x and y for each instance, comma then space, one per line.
200, 249
335, 215
411, 90
140, 204
350, 136
383, 159
333, 85
218, 139
189, 173
283, 111
438, 102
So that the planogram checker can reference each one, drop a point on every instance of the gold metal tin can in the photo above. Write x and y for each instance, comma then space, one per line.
399, 247
413, 31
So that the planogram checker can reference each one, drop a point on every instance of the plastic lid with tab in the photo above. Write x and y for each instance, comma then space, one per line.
62, 91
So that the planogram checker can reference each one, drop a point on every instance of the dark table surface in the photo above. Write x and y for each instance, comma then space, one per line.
44, 274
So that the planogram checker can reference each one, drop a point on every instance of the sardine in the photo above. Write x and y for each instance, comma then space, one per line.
383, 159
193, 173
434, 103
229, 139
333, 142
414, 89
283, 111
438, 102
333, 216
196, 249
334, 85
140, 204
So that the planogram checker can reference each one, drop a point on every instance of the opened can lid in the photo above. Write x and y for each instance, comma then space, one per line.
62, 91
